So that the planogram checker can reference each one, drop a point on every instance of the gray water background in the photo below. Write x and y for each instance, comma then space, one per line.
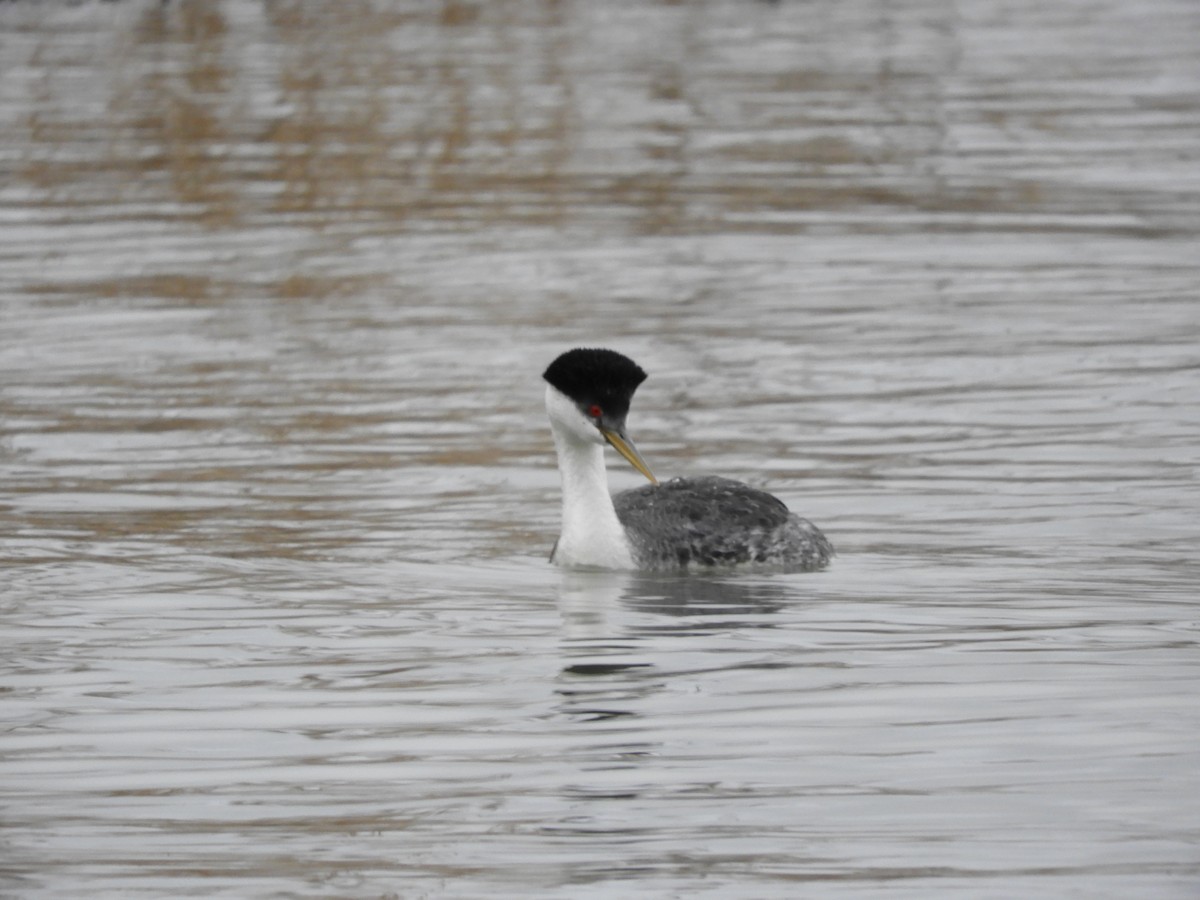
277, 283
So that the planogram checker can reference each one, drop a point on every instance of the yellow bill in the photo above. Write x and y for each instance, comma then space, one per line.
625, 447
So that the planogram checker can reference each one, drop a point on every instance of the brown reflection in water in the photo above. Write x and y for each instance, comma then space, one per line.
178, 108
733, 117
328, 151
185, 288
420, 113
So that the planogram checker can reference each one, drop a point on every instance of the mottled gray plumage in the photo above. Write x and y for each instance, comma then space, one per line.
712, 521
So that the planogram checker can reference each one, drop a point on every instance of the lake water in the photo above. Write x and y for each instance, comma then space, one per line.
278, 281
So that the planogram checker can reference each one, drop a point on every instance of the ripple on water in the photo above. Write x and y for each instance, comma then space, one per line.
276, 490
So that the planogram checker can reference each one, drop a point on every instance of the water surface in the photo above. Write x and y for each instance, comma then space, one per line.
278, 282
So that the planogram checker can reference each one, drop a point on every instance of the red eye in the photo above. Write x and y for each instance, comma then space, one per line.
595, 411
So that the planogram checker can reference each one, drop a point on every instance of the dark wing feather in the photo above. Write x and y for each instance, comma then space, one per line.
716, 522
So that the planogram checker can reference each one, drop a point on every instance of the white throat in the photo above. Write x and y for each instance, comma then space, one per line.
592, 535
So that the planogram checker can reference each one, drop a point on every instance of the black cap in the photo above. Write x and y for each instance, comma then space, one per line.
595, 376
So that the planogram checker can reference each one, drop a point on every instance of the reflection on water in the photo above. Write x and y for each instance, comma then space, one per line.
276, 493
657, 117
586, 596
689, 597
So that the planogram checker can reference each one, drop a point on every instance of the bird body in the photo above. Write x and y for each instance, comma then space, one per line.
712, 521
682, 524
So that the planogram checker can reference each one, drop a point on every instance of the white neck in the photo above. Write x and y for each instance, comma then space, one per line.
592, 536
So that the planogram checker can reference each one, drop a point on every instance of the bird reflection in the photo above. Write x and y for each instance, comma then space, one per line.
589, 599
611, 622
675, 596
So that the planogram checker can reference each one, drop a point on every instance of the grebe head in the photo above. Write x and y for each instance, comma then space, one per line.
587, 399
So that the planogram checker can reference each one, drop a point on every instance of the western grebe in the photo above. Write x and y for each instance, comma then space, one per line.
680, 524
